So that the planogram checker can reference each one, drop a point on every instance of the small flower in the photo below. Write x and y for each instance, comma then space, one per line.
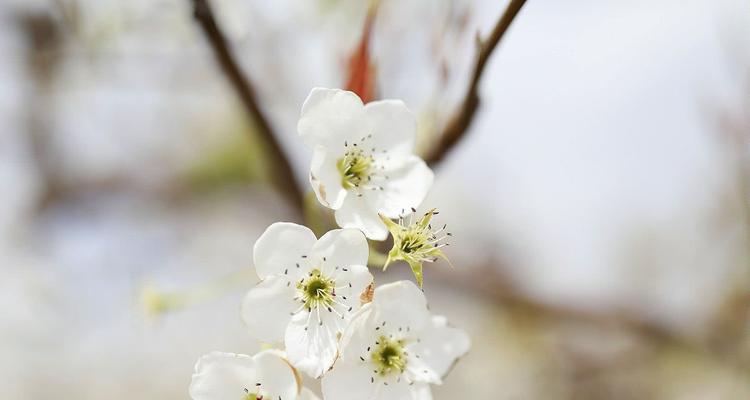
362, 162
416, 242
229, 376
394, 348
310, 288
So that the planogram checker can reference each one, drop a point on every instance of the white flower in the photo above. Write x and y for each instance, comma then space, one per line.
362, 162
309, 291
229, 376
394, 348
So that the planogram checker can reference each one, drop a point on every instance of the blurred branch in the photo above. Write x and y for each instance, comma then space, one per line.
44, 40
282, 176
461, 121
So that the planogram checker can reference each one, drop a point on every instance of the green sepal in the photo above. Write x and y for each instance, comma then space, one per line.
416, 268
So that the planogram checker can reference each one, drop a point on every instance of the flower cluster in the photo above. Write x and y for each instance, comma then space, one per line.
316, 296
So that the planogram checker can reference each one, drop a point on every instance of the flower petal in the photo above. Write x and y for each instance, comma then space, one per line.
392, 126
442, 345
354, 279
402, 305
357, 213
420, 371
281, 247
409, 180
221, 376
359, 335
340, 248
266, 308
403, 390
348, 381
312, 346
329, 117
308, 394
275, 375
325, 179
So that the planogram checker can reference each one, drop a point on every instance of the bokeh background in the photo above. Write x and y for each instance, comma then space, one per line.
599, 200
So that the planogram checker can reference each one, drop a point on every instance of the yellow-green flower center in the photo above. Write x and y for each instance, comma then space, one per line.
317, 290
354, 168
414, 240
389, 356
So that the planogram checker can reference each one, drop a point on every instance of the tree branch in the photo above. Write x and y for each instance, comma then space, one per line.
283, 176
461, 121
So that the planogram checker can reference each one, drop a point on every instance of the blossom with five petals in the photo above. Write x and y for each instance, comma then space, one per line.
362, 163
394, 349
308, 292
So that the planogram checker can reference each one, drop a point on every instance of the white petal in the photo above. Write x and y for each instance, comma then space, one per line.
325, 178
266, 308
441, 345
403, 390
275, 375
281, 248
409, 180
310, 346
222, 376
358, 336
308, 394
340, 248
402, 305
392, 126
420, 371
354, 279
329, 117
357, 213
348, 381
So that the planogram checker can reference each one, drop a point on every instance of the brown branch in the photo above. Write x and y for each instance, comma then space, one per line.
461, 121
282, 176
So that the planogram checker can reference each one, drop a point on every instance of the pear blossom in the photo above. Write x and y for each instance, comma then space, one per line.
309, 290
362, 163
394, 349
416, 242
229, 376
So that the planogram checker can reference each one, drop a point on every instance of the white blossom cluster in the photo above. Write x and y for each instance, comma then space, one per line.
316, 295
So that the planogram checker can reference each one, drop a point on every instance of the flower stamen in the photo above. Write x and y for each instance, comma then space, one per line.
354, 168
415, 242
316, 290
389, 356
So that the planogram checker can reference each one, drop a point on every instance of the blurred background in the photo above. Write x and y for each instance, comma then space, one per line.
598, 200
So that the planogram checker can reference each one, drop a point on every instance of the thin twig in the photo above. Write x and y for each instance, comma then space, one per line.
459, 124
282, 176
